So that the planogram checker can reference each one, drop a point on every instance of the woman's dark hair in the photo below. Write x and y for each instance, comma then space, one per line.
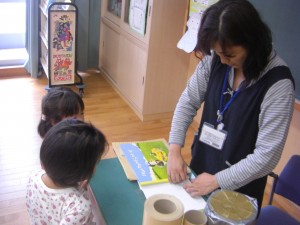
236, 23
58, 103
70, 152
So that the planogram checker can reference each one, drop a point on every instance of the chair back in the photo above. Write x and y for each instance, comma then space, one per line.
288, 184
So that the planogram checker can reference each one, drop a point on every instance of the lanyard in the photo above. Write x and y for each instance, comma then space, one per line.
222, 110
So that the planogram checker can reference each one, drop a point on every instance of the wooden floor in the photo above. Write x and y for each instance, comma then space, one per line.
20, 99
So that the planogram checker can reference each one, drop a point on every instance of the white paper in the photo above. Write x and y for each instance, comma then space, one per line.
138, 21
137, 15
189, 40
176, 190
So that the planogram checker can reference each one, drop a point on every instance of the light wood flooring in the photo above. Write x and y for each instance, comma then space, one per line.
20, 99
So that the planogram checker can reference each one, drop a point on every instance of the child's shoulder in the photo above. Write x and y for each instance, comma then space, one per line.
36, 175
80, 195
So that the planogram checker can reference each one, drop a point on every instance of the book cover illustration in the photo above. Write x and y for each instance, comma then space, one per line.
148, 160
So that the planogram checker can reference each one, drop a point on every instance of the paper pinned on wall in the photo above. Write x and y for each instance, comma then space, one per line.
188, 41
199, 6
137, 15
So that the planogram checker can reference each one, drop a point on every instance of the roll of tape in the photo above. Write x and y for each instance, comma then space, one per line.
194, 217
163, 209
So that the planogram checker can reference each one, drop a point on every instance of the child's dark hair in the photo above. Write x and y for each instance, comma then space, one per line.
58, 103
236, 22
70, 152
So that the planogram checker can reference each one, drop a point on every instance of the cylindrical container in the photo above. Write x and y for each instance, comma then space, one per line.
163, 209
194, 217
226, 207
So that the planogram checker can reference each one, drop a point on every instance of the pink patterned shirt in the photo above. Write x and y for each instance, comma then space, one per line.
57, 206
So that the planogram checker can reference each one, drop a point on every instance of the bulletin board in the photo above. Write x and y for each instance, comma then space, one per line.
283, 18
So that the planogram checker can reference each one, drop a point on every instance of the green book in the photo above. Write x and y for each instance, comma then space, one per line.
147, 160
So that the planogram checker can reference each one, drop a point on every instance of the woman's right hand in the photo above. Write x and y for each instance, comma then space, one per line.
176, 167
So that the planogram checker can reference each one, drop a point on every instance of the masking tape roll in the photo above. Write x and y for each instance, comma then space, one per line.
163, 209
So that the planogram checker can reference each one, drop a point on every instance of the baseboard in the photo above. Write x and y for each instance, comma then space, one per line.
14, 71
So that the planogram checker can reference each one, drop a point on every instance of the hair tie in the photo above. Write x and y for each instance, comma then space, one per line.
43, 117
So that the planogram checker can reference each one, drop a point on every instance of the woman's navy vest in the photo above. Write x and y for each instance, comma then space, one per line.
240, 121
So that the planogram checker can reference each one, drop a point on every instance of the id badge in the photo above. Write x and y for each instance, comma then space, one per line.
212, 137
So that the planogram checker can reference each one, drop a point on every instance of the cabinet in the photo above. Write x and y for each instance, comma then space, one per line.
148, 70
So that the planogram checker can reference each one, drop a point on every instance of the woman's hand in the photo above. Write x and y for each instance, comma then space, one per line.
203, 184
176, 167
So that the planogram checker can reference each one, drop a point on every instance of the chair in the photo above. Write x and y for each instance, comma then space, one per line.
287, 184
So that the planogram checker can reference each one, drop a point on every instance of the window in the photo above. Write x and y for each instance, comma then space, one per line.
12, 32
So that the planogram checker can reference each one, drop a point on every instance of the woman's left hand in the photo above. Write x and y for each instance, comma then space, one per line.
203, 184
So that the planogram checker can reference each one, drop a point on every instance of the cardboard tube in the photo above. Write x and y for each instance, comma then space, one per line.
194, 217
163, 209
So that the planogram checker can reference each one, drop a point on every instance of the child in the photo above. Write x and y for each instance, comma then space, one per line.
57, 104
69, 154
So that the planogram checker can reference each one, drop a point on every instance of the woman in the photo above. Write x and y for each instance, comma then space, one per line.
248, 92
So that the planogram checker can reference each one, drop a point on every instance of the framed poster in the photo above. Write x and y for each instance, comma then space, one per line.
62, 39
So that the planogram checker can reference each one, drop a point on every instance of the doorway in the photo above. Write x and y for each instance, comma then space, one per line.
12, 33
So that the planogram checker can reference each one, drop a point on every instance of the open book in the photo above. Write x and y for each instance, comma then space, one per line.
144, 161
